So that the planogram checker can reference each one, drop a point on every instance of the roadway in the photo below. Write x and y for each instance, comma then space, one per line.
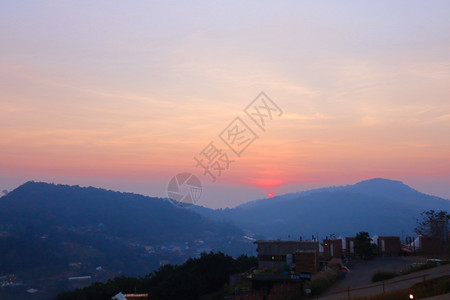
358, 280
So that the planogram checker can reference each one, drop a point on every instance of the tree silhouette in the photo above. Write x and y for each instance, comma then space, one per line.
194, 279
363, 245
434, 224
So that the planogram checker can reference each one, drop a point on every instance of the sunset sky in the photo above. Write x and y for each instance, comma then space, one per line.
123, 95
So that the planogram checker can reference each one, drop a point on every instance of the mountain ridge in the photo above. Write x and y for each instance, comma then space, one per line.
373, 184
377, 205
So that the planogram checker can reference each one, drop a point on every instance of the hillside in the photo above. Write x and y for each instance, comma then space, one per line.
60, 231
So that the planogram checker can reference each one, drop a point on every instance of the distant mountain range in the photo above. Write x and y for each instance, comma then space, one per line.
51, 232
379, 206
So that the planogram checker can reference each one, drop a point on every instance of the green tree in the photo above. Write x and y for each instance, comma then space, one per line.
364, 246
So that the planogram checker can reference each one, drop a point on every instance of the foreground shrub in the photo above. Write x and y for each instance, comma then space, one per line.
323, 280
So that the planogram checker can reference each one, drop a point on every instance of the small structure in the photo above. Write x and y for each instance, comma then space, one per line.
389, 245
136, 296
332, 248
121, 296
32, 291
80, 278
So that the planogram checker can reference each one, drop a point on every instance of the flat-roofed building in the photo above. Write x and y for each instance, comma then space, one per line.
279, 254
389, 245
350, 245
332, 248
429, 245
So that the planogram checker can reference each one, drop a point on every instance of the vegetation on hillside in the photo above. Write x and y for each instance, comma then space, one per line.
48, 229
195, 278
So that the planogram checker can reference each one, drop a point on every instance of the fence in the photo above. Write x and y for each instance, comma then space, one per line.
384, 286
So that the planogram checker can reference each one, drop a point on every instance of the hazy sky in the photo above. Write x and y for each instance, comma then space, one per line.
123, 94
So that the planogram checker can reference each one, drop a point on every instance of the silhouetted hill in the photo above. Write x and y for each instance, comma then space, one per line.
127, 215
59, 231
379, 206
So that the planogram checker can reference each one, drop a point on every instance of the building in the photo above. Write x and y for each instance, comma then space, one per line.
389, 245
279, 254
429, 245
306, 261
121, 296
350, 245
332, 248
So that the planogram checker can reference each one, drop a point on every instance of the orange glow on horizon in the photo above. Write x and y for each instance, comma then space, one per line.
267, 183
115, 106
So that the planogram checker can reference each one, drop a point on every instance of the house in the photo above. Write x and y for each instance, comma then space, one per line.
429, 245
121, 296
279, 254
284, 262
350, 245
389, 245
332, 248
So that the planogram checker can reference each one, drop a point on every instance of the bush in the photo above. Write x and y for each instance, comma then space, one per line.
382, 275
323, 280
